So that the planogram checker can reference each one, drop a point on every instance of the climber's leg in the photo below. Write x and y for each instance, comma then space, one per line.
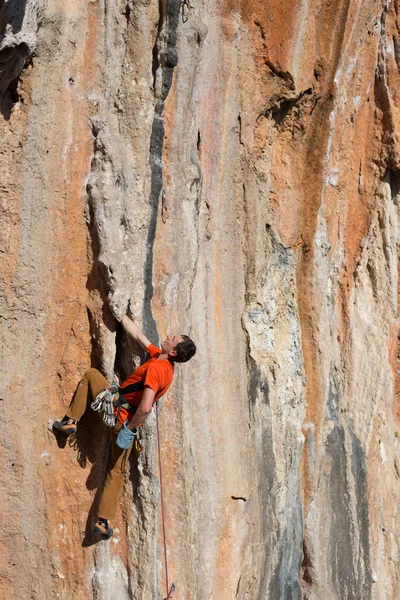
92, 381
102, 528
115, 477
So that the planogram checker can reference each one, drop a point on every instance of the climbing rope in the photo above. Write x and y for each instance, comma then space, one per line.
172, 588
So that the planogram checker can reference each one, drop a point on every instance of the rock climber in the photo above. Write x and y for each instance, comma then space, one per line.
147, 384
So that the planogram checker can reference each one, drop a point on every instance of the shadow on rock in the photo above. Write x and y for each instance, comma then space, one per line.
11, 15
91, 442
95, 481
90, 538
89, 439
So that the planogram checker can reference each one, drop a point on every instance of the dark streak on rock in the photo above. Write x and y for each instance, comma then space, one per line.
166, 59
392, 177
382, 97
13, 59
332, 404
14, 55
396, 52
341, 529
281, 581
359, 471
285, 580
351, 572
11, 13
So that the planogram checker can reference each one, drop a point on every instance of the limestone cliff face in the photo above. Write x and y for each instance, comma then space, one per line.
273, 129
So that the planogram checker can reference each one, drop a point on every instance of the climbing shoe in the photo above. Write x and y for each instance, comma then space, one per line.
101, 528
67, 426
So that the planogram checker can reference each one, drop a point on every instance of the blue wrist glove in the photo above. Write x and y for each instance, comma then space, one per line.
125, 437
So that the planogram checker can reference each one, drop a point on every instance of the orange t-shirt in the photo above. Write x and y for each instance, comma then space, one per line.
155, 374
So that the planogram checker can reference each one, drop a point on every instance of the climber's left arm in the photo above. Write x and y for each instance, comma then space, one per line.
135, 332
144, 408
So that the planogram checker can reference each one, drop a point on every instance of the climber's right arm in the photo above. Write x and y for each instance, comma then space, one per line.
135, 332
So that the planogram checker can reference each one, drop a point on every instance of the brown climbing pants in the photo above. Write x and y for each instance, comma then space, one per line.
94, 382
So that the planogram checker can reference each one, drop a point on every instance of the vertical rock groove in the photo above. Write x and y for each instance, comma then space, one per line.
165, 58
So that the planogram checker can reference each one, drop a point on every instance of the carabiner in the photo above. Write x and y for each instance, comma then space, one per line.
139, 446
171, 591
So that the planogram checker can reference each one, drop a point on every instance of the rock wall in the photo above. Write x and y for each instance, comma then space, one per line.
233, 171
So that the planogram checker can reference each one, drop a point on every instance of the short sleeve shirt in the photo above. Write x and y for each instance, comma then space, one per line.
155, 374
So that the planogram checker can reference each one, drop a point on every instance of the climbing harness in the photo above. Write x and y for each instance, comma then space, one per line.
104, 402
186, 10
164, 207
172, 588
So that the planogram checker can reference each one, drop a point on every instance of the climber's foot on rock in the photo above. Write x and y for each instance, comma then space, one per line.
102, 528
67, 426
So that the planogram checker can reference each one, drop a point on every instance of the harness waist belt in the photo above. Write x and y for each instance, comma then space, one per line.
129, 407
129, 389
133, 387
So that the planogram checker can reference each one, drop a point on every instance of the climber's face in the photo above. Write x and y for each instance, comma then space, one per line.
168, 346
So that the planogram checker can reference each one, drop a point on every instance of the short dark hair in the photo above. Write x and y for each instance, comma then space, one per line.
184, 350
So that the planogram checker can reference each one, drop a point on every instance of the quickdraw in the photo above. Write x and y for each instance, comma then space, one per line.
171, 591
104, 402
139, 444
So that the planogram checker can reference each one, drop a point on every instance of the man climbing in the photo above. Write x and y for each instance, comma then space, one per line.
147, 384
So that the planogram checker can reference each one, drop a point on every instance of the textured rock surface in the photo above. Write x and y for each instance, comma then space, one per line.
276, 139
